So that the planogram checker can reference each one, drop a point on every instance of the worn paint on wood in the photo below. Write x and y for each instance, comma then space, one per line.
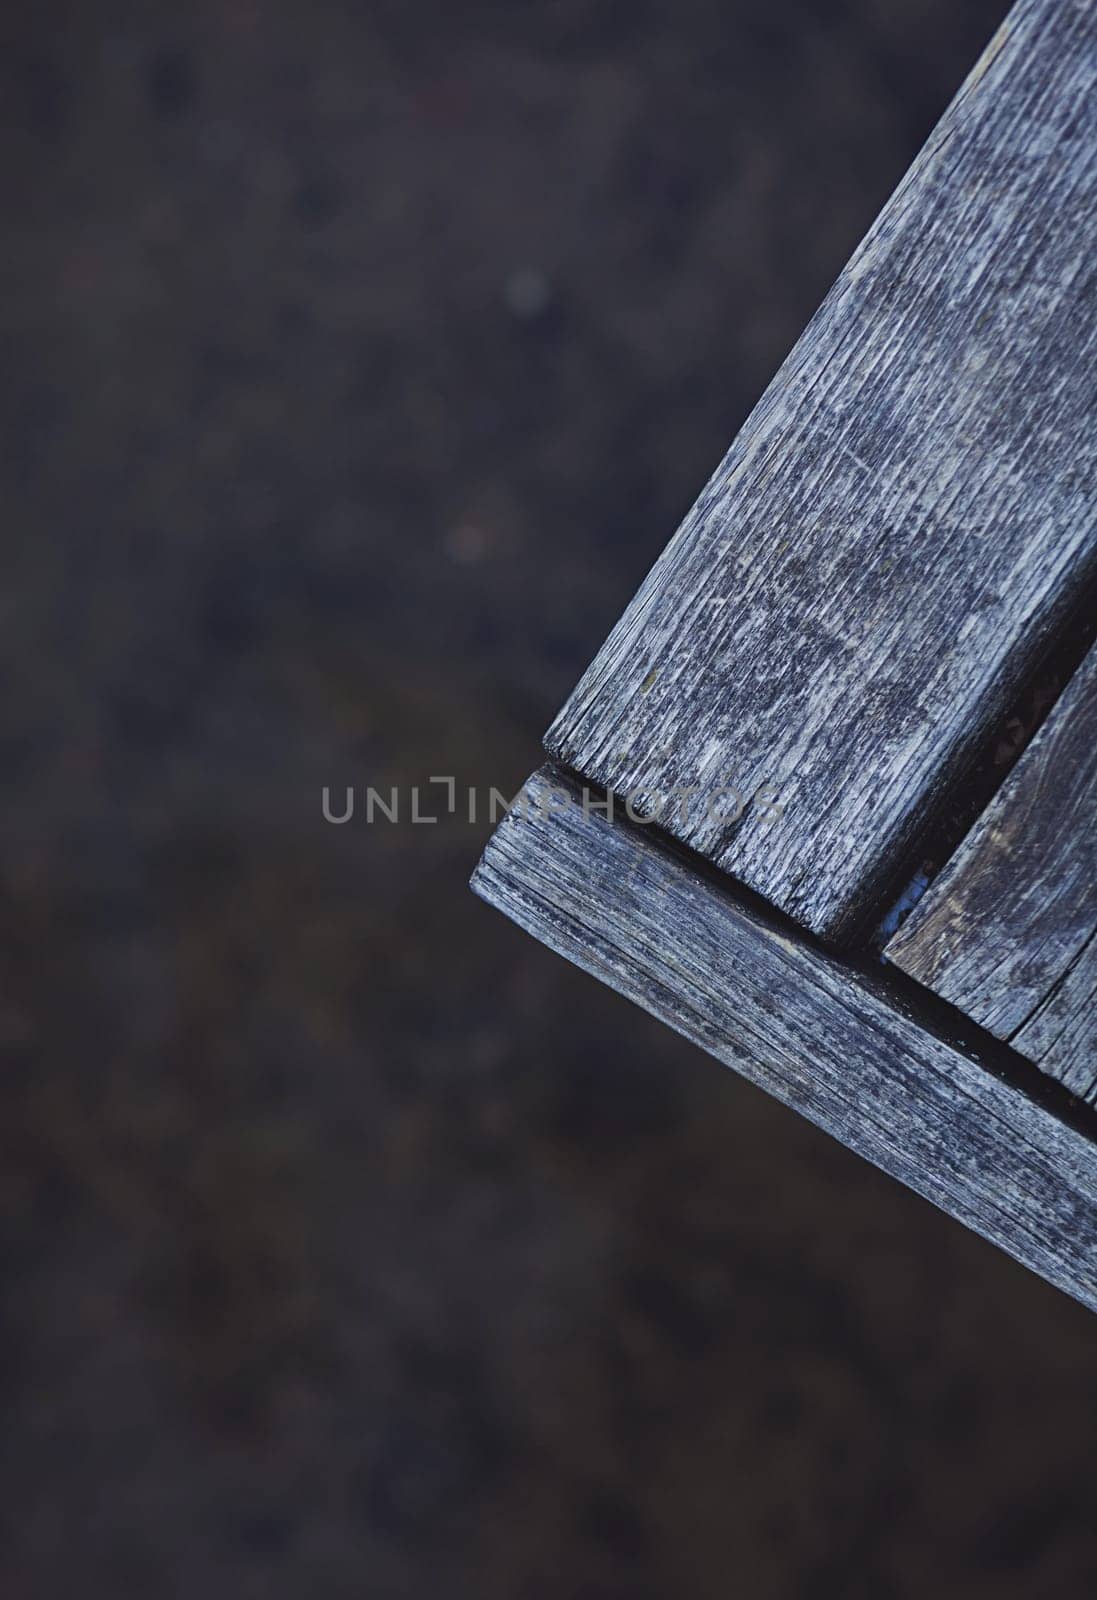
902, 523
1012, 915
801, 1024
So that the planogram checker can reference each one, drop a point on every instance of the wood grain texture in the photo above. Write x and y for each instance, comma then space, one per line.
1061, 1034
1015, 910
902, 521
800, 1024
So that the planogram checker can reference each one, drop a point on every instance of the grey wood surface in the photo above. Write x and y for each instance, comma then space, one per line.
1011, 920
1061, 1034
901, 523
799, 1023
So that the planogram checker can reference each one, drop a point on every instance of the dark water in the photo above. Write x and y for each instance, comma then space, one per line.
357, 361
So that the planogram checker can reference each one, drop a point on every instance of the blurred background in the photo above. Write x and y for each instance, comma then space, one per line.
357, 362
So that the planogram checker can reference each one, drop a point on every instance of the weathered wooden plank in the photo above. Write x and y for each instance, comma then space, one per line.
1016, 908
1062, 1033
901, 523
800, 1024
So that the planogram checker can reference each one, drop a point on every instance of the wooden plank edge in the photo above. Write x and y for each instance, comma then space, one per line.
1011, 914
821, 1036
868, 579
